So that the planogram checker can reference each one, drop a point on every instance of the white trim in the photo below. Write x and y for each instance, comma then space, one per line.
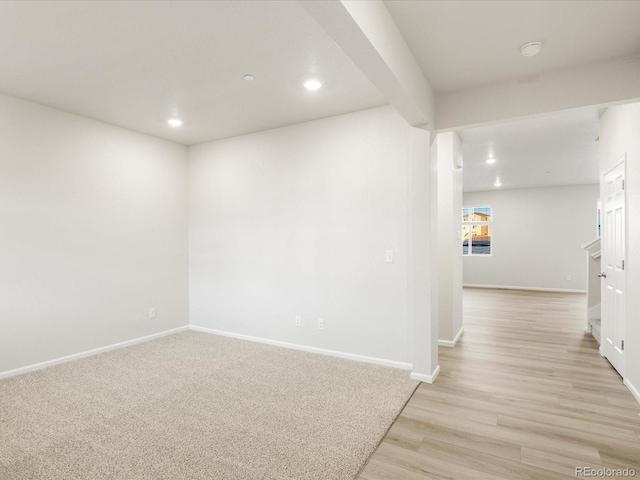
305, 348
426, 378
619, 161
535, 289
634, 391
592, 243
449, 343
88, 353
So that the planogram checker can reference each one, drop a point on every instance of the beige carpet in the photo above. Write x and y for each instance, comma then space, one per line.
197, 406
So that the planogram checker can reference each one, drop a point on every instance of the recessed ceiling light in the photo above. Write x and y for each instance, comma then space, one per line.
491, 160
249, 78
312, 84
498, 183
174, 122
531, 49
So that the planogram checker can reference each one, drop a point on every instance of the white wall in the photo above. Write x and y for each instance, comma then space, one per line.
93, 232
537, 234
296, 221
619, 127
449, 254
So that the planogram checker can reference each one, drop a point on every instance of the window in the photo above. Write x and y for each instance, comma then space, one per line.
476, 230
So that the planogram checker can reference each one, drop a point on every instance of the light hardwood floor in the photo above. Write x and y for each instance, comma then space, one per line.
524, 394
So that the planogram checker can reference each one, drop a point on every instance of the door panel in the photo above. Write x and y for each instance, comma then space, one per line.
613, 280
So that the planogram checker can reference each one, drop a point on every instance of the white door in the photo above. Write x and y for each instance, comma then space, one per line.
613, 274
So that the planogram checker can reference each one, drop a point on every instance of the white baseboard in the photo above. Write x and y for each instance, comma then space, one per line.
634, 391
426, 378
305, 348
449, 343
88, 353
594, 312
534, 289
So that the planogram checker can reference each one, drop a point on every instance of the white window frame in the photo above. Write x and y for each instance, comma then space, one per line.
470, 224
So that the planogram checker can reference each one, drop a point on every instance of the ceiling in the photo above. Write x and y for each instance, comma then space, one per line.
552, 150
135, 64
469, 43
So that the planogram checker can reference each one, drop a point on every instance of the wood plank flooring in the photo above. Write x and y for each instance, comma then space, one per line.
524, 395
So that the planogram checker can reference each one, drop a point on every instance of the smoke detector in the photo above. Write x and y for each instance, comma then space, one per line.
530, 49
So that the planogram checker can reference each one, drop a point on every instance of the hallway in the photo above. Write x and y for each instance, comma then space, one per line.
524, 394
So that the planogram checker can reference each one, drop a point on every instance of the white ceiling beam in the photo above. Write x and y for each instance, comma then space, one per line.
365, 31
598, 84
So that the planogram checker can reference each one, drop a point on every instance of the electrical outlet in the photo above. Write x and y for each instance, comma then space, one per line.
298, 320
152, 313
568, 278
320, 324
389, 256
